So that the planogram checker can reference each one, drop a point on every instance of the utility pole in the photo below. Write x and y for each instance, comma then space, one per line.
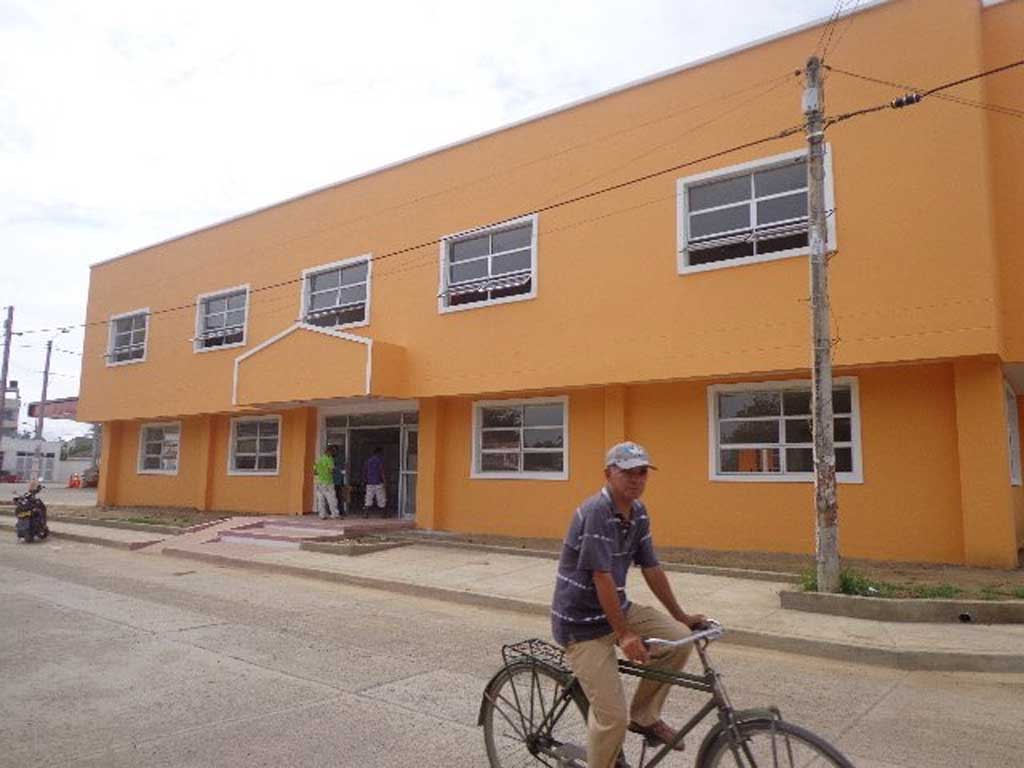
8, 329
826, 503
42, 410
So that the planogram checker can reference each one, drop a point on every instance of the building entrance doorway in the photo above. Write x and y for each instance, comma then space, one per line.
362, 445
357, 435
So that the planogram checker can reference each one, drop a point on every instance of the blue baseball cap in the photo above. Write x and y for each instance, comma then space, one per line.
628, 455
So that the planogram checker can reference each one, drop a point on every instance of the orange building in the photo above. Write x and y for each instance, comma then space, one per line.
494, 341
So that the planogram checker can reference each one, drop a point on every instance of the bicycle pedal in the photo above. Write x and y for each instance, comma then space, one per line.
569, 754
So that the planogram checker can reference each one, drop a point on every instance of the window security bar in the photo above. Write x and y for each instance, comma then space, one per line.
757, 234
511, 280
125, 350
336, 308
214, 333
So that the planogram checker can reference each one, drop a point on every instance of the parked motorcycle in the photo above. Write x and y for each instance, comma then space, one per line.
31, 514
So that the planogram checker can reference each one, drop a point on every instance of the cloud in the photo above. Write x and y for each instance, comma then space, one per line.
123, 123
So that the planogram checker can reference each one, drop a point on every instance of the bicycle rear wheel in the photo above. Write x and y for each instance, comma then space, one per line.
518, 712
773, 744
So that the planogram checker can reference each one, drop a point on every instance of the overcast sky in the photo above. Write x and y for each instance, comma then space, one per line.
125, 122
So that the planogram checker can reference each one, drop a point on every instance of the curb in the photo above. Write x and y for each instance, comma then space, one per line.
881, 609
909, 660
85, 539
782, 577
400, 587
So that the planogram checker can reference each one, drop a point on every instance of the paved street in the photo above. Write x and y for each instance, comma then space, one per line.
111, 659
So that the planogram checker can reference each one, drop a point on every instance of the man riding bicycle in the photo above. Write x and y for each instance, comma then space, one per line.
590, 614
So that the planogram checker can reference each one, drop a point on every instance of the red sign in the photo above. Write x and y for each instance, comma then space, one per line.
65, 408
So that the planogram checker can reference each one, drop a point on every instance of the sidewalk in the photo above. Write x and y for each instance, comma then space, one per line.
748, 608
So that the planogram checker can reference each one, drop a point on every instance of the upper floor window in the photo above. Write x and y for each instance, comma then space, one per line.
764, 431
489, 266
220, 318
158, 448
127, 342
337, 294
748, 213
521, 439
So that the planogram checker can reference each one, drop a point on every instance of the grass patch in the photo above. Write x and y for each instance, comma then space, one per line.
941, 592
992, 593
853, 583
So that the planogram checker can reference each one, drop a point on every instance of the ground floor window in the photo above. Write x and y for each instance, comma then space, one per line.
763, 431
521, 439
255, 445
158, 448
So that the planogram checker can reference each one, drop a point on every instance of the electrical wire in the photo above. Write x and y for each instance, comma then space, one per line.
784, 133
829, 29
851, 16
915, 97
1010, 111
264, 249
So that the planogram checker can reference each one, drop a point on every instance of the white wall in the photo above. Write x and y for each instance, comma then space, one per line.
25, 465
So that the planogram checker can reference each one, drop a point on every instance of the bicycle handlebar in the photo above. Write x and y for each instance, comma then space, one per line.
709, 630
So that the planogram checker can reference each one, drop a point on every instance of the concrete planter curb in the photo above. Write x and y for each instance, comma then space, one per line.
883, 609
704, 570
909, 659
351, 548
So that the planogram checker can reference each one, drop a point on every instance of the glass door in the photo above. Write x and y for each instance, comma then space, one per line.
410, 461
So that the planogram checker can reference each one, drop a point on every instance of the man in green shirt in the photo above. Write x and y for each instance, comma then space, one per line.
323, 484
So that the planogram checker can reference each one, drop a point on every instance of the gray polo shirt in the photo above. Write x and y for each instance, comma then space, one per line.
599, 539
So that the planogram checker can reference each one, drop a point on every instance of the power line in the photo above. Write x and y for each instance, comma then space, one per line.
851, 16
828, 30
915, 97
335, 226
784, 133
1010, 111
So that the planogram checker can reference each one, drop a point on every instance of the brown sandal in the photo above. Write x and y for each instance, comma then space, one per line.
659, 731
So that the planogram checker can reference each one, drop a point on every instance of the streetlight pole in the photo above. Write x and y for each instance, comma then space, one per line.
42, 410
41, 414
8, 329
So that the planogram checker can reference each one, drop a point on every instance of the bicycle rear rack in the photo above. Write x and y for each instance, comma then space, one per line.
538, 652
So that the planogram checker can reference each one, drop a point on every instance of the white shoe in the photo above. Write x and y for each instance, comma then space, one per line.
322, 517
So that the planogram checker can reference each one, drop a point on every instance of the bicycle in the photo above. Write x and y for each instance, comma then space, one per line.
534, 711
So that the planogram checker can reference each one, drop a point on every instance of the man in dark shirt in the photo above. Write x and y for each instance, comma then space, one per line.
373, 475
590, 614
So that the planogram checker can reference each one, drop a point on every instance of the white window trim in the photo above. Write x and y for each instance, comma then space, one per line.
110, 338
304, 292
142, 448
197, 341
475, 453
682, 212
857, 476
1013, 433
231, 447
443, 260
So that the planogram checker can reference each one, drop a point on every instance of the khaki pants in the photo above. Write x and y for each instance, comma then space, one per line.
325, 500
595, 664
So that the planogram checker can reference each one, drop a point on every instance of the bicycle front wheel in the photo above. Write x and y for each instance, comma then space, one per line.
532, 718
772, 744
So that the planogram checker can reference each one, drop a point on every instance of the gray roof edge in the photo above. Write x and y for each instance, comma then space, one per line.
469, 140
